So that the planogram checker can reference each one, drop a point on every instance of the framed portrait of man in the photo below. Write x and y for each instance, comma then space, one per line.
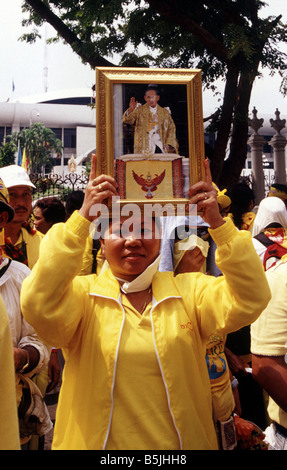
149, 132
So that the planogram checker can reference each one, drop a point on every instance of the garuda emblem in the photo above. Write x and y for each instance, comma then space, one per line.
149, 185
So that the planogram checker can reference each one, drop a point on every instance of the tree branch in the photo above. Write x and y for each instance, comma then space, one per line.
71, 38
172, 13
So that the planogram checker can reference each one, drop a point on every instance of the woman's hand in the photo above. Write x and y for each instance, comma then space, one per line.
204, 195
98, 191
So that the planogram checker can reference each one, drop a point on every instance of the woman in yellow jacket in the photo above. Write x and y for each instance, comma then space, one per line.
134, 338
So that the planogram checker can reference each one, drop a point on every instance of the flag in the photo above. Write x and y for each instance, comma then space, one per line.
19, 156
25, 160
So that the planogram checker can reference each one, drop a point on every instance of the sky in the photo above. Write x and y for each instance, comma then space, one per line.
22, 65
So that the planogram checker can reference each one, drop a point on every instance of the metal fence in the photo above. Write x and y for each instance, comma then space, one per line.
269, 179
58, 185
61, 185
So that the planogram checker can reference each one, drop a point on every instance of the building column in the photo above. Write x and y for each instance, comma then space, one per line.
256, 142
278, 143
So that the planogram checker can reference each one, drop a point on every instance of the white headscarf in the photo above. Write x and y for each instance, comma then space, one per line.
193, 241
169, 224
270, 210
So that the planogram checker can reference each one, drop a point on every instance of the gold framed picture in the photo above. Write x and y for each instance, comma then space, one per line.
149, 132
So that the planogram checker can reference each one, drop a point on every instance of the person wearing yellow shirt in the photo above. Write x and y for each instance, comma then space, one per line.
134, 338
188, 252
269, 354
242, 206
21, 242
29, 353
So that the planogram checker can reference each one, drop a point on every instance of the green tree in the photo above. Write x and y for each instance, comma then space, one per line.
225, 38
40, 144
7, 153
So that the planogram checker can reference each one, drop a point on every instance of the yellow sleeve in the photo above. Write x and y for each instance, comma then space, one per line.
229, 302
53, 287
87, 258
269, 332
131, 117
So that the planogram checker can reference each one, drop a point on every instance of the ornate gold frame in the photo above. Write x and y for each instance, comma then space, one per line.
107, 77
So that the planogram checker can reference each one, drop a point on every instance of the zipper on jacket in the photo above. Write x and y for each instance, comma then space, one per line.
160, 366
154, 304
115, 366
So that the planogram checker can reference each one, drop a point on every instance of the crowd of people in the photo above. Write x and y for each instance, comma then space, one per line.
165, 334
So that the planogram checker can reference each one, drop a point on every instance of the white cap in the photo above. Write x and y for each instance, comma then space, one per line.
15, 175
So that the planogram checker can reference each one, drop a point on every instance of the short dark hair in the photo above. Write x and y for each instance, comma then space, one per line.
280, 187
153, 88
241, 196
74, 201
53, 209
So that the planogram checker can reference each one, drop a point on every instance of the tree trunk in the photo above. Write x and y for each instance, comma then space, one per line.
234, 164
225, 123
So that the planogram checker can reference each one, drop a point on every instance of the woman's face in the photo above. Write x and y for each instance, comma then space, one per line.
130, 249
40, 223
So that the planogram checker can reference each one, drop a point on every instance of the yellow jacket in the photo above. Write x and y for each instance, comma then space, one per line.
84, 316
32, 242
9, 427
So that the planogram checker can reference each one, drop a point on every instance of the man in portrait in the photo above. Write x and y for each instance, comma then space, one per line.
154, 128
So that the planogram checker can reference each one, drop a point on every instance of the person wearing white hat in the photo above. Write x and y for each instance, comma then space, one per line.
15, 175
21, 242
29, 355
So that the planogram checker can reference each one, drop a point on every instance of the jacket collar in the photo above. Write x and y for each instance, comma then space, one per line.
106, 285
163, 286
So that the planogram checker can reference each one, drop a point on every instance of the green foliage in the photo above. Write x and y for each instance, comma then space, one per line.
40, 144
208, 34
227, 39
7, 154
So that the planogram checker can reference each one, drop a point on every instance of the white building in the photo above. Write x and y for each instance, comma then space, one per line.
69, 114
